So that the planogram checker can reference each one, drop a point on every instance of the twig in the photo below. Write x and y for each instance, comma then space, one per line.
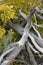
36, 31
39, 16
32, 48
31, 54
35, 44
37, 25
38, 40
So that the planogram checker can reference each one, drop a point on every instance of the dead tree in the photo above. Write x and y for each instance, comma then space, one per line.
25, 32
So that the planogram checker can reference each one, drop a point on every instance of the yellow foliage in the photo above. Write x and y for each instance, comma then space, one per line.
2, 32
7, 12
9, 9
1, 7
33, 3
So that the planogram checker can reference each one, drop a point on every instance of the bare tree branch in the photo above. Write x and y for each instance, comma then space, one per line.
31, 54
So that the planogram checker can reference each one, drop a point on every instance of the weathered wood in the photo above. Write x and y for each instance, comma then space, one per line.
31, 54
25, 32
